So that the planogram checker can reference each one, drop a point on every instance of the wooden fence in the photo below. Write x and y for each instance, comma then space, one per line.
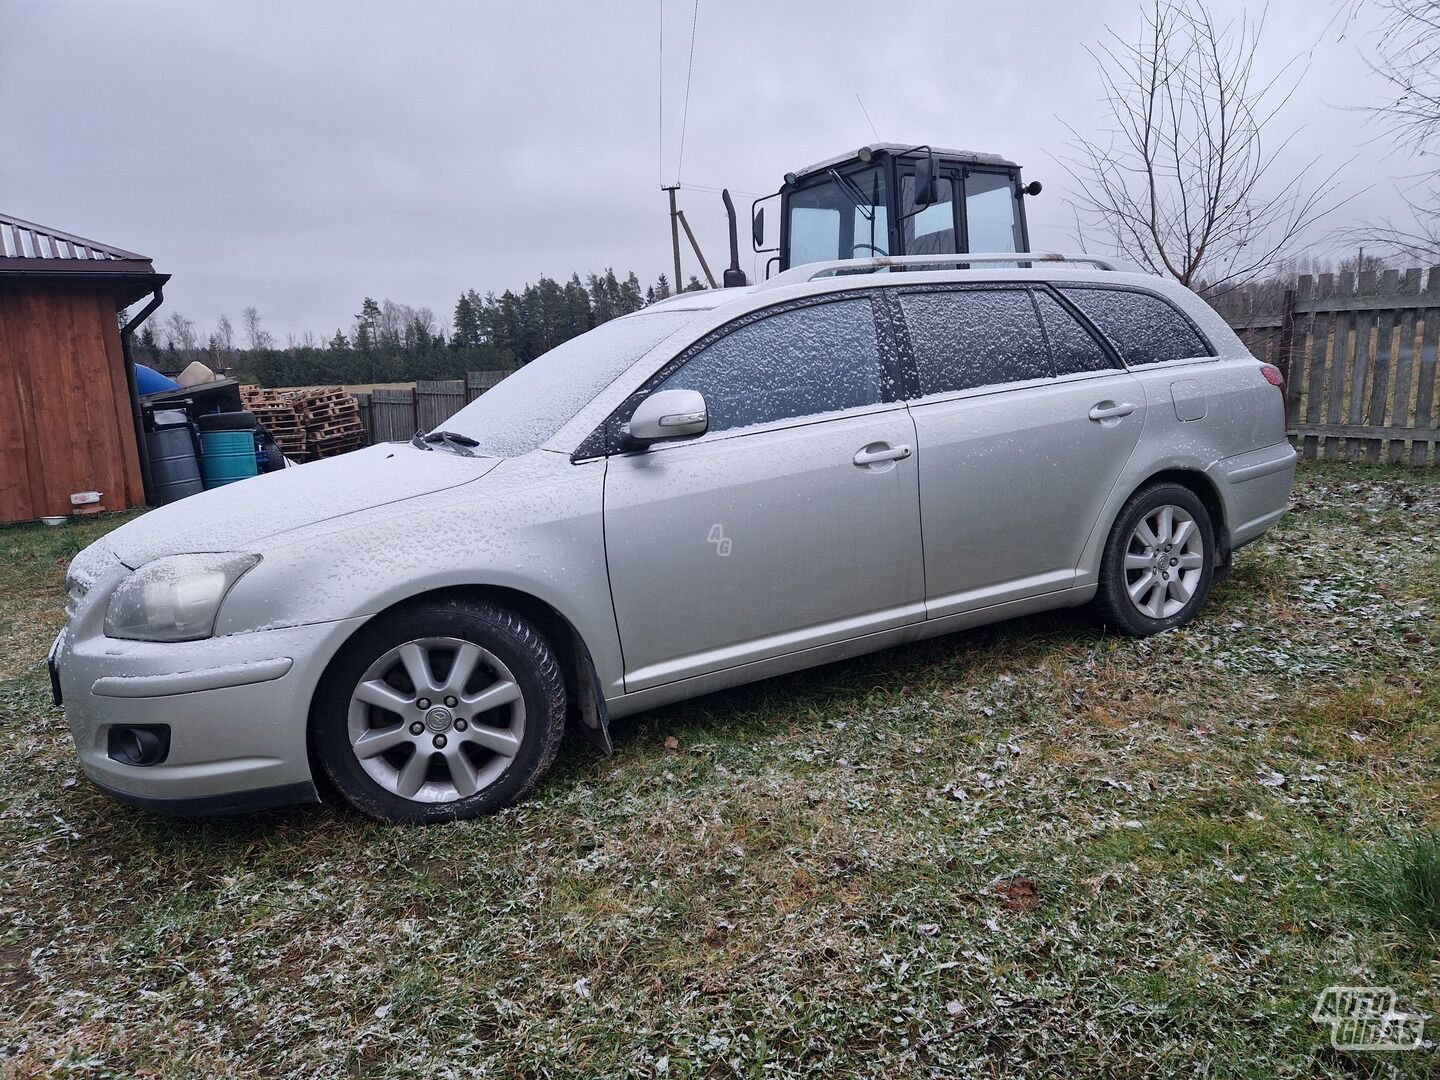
395, 413
1359, 357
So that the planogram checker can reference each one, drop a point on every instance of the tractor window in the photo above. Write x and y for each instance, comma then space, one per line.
840, 216
932, 230
991, 212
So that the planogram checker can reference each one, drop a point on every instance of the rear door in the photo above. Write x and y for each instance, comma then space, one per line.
793, 523
1024, 422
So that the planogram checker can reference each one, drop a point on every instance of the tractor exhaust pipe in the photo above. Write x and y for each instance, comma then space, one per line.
734, 277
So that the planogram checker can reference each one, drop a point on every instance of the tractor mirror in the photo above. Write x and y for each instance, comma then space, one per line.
757, 229
926, 190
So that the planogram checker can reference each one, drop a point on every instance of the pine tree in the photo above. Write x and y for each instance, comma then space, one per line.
467, 323
367, 327
695, 285
150, 344
630, 297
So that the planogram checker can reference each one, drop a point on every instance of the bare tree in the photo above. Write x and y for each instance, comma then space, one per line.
258, 338
1407, 57
1184, 179
180, 332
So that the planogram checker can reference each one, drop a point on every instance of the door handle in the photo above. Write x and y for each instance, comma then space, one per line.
1109, 410
882, 452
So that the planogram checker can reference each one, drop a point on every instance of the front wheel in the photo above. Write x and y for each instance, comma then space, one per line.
1158, 562
438, 712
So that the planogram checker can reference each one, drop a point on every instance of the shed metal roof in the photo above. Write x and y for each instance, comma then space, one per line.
27, 249
28, 243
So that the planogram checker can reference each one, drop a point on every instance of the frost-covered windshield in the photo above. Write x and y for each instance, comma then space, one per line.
528, 407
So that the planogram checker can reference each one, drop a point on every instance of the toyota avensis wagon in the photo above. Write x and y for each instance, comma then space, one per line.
722, 487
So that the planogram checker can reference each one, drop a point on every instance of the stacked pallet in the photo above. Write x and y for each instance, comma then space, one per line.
308, 421
277, 413
332, 421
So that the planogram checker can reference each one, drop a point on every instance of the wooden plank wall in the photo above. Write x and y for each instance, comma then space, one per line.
392, 414
436, 401
1360, 357
65, 422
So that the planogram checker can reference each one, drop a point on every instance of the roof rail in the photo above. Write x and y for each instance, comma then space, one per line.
811, 271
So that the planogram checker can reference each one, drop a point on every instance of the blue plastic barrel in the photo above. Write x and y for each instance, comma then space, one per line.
227, 445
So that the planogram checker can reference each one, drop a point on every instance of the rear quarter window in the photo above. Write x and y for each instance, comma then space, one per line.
1144, 328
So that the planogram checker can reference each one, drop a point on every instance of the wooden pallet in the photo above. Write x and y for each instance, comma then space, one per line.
308, 421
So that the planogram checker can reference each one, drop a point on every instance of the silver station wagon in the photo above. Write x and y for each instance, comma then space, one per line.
723, 487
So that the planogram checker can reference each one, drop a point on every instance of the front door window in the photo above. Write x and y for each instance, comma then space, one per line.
815, 359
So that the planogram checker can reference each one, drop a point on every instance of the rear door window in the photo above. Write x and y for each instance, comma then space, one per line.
974, 337
815, 359
1073, 347
1145, 328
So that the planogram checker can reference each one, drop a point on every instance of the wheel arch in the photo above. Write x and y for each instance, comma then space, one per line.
1193, 478
585, 702
1203, 487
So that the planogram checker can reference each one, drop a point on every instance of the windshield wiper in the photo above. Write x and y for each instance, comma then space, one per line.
453, 440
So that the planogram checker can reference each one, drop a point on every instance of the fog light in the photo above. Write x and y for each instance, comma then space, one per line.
139, 744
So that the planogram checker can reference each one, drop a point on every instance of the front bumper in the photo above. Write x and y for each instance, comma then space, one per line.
236, 707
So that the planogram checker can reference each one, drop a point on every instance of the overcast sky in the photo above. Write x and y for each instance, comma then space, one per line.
300, 156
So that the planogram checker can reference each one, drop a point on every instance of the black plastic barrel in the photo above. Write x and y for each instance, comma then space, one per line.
174, 469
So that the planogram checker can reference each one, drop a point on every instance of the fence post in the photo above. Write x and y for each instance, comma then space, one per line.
362, 399
1284, 350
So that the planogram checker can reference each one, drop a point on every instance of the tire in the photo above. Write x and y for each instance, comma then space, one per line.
1173, 581
227, 421
459, 709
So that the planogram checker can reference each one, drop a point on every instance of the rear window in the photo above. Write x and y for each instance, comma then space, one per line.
974, 337
1143, 327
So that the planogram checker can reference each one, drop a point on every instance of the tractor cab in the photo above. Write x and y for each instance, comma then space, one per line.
888, 199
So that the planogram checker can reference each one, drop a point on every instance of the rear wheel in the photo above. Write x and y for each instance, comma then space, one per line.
1158, 562
439, 712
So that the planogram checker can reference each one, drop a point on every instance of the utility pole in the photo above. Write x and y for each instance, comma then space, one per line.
674, 233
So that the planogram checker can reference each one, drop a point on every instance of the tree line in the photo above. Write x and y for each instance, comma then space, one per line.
394, 342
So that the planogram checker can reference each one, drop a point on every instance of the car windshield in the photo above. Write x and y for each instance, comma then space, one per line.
528, 407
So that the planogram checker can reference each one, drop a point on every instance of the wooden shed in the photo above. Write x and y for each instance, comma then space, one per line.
69, 415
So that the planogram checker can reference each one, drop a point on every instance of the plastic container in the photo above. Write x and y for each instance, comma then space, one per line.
174, 467
227, 448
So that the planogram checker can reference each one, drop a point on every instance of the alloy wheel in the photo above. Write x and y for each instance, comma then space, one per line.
1164, 562
436, 719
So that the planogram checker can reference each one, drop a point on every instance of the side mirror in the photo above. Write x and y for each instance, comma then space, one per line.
668, 414
757, 228
927, 192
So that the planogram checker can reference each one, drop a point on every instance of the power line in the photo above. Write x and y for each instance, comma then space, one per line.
867, 118
689, 71
716, 191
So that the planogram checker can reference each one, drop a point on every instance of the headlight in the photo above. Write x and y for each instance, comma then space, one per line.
175, 598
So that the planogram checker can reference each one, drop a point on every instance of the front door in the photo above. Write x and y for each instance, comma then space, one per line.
793, 523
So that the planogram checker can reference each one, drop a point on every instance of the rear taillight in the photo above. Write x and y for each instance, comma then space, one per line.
1273, 376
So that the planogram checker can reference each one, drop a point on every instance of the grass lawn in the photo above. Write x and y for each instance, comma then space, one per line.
1030, 849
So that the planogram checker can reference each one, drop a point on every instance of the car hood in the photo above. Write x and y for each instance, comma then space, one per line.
239, 516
